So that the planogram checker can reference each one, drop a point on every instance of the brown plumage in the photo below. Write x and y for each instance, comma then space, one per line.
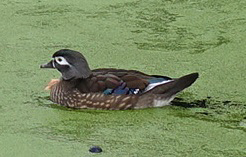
100, 88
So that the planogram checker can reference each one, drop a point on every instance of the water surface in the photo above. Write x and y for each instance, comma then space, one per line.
172, 37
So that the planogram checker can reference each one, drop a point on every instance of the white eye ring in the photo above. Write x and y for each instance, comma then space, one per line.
61, 61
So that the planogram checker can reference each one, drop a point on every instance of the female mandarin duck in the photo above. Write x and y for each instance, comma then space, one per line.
107, 88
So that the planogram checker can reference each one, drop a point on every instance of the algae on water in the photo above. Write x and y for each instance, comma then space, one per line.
172, 38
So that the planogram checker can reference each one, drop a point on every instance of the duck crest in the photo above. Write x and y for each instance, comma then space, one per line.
108, 88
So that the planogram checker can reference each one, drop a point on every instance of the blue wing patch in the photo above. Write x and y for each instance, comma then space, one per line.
156, 80
123, 89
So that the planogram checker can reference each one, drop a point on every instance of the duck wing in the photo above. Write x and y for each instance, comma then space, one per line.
114, 81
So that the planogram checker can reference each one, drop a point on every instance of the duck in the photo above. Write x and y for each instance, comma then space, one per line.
109, 88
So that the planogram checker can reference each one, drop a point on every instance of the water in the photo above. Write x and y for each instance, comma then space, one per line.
173, 38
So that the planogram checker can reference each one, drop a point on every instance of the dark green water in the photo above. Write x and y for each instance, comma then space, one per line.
160, 37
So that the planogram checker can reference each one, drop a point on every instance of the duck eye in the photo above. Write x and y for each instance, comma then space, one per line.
59, 59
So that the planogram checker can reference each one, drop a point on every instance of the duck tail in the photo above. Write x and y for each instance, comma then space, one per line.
163, 94
176, 85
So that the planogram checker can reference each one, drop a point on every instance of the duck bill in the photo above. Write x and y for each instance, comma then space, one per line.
48, 65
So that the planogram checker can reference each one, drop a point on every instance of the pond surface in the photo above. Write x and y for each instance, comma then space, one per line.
172, 37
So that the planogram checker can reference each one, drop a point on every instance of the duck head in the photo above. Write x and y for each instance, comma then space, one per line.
71, 64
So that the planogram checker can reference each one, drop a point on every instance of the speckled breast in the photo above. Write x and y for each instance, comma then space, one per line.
75, 99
